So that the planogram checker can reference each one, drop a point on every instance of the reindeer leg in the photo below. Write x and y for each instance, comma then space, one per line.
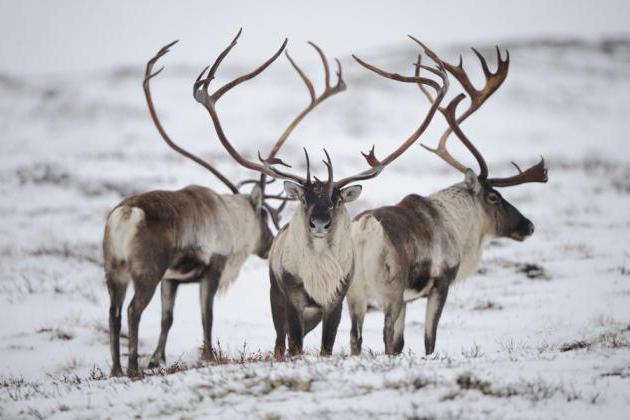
117, 289
168, 291
296, 302
357, 306
393, 310
144, 288
331, 318
330, 323
399, 331
279, 315
435, 304
207, 289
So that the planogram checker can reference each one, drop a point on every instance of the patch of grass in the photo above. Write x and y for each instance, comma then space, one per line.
532, 271
574, 345
56, 334
472, 353
532, 390
487, 305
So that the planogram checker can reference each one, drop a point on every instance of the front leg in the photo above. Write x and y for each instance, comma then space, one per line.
207, 290
331, 318
435, 304
279, 315
296, 299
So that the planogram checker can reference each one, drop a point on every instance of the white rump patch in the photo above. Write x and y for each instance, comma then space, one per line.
122, 226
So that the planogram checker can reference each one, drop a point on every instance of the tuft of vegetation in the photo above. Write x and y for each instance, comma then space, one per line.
487, 305
532, 271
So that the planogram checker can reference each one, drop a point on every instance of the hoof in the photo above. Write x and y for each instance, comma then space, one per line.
134, 373
278, 354
116, 372
153, 364
208, 356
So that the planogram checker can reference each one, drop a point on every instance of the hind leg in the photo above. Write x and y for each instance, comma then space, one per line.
144, 288
435, 304
207, 290
399, 331
393, 310
279, 315
168, 291
357, 308
117, 288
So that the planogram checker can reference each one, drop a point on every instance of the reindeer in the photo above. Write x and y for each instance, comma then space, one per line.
420, 246
311, 259
190, 235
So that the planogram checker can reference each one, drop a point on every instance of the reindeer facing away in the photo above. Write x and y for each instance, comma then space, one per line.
311, 259
190, 235
420, 246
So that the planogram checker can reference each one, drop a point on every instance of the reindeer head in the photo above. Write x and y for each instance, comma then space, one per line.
503, 219
321, 203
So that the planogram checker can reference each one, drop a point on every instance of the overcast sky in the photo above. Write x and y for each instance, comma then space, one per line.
72, 36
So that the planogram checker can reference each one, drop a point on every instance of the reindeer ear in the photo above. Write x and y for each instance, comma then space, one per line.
350, 193
293, 190
256, 196
472, 181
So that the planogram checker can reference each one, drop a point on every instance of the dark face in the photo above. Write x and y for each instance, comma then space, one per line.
321, 207
266, 236
507, 221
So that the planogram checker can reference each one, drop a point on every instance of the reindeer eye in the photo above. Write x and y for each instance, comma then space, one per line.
493, 198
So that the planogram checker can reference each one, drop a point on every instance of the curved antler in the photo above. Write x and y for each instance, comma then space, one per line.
201, 95
148, 75
536, 173
376, 165
477, 98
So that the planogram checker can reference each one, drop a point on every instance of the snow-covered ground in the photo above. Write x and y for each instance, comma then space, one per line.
542, 330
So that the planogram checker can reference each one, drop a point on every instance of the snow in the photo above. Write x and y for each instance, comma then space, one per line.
75, 145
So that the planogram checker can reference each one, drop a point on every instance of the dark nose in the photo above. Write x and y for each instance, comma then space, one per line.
320, 224
527, 228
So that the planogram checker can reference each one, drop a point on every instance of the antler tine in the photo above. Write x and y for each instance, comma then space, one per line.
315, 99
376, 165
305, 79
148, 75
308, 166
449, 113
329, 166
477, 99
324, 62
201, 95
536, 173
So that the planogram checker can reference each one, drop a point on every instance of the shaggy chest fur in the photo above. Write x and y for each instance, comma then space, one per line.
320, 264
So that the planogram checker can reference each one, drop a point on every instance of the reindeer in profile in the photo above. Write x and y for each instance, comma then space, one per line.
190, 235
420, 246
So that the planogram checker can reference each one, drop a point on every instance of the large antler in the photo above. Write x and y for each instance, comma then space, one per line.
376, 165
536, 173
148, 75
202, 95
